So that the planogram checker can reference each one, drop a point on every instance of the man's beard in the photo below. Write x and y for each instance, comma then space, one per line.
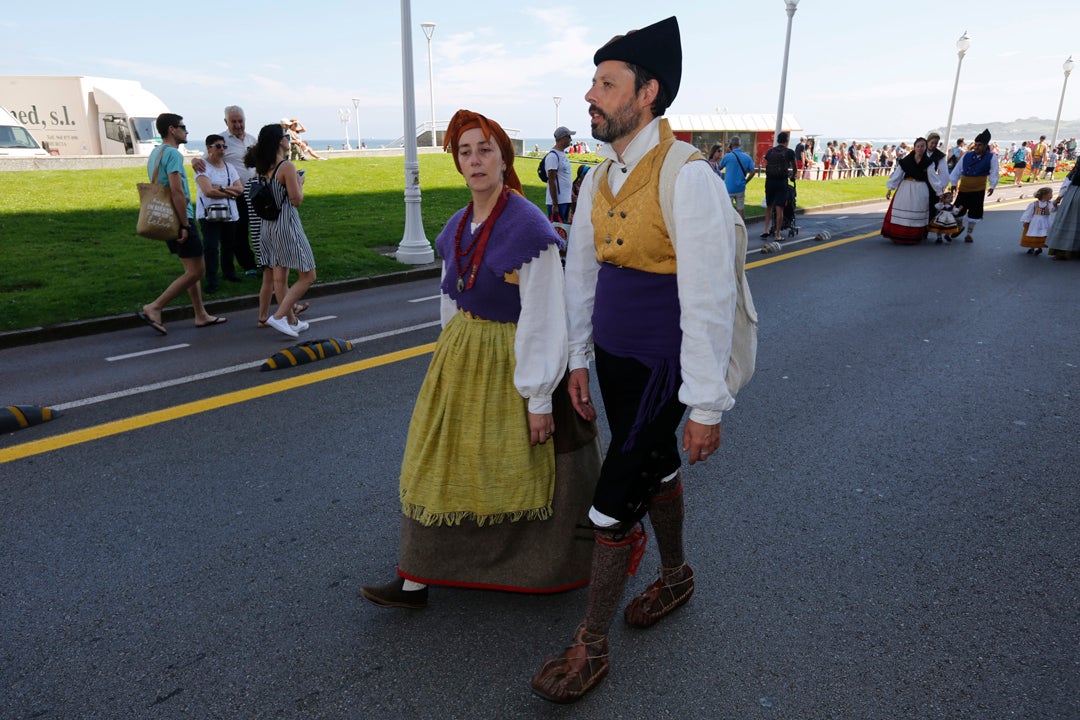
611, 128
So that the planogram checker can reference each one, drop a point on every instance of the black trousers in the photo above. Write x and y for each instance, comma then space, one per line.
235, 245
629, 479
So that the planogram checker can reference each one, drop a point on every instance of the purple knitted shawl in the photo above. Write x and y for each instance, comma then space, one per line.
520, 234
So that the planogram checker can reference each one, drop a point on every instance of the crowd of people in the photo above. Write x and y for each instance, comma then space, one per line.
222, 228
945, 195
838, 159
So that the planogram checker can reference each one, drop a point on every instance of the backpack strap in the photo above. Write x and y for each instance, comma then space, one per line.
744, 334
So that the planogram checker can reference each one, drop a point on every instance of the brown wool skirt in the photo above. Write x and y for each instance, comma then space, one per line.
533, 556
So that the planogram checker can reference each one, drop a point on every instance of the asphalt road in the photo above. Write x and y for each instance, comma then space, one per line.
889, 531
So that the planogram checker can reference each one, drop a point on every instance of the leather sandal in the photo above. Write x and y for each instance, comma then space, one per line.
660, 598
578, 670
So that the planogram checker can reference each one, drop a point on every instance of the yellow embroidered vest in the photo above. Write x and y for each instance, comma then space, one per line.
628, 229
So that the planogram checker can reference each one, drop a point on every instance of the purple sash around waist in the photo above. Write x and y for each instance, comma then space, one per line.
636, 316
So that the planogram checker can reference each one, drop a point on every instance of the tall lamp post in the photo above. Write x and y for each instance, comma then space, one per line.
429, 30
791, 5
356, 114
1068, 68
962, 46
414, 248
557, 100
344, 116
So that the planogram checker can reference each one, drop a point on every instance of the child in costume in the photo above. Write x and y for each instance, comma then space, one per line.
947, 223
1036, 221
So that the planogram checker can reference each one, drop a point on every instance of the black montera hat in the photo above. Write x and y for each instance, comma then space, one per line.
657, 48
983, 137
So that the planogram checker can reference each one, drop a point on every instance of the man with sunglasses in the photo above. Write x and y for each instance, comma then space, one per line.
169, 163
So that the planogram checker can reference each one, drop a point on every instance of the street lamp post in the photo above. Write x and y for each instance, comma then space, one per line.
429, 30
356, 109
414, 248
962, 46
1068, 68
344, 116
791, 5
557, 100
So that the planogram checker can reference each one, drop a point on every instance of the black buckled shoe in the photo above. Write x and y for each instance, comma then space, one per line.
393, 594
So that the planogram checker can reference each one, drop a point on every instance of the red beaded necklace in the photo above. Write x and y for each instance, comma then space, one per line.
475, 249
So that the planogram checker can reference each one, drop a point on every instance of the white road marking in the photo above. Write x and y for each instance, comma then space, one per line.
167, 348
221, 371
425, 299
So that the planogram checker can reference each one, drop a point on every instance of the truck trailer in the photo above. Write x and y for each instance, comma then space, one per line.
79, 115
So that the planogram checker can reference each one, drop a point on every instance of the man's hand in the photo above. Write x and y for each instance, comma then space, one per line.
541, 427
198, 165
989, 192
578, 384
700, 441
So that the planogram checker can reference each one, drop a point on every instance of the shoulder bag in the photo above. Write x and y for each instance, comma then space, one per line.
157, 216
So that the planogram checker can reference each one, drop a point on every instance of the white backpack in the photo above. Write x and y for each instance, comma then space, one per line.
744, 336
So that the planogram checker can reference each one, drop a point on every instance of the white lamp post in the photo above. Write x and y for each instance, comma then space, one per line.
429, 30
1068, 68
414, 248
791, 5
557, 100
962, 46
344, 116
356, 109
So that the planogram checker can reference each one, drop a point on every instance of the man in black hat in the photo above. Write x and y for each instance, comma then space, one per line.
970, 177
655, 311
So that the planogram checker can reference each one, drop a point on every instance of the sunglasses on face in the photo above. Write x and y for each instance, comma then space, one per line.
219, 146
182, 127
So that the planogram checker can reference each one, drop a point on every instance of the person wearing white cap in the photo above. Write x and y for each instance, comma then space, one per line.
557, 169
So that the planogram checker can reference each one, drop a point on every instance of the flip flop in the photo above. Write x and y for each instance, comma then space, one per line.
152, 323
216, 321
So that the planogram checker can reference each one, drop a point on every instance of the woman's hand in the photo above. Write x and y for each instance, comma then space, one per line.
541, 428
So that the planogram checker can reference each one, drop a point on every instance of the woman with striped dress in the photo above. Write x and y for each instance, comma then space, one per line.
283, 246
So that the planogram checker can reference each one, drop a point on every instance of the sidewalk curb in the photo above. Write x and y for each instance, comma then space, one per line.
81, 328
93, 326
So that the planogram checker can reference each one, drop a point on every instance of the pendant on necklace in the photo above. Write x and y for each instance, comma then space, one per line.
460, 284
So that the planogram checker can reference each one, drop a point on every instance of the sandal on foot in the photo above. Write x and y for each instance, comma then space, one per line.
661, 598
578, 670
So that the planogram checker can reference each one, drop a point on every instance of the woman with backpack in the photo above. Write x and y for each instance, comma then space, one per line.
283, 245
1019, 160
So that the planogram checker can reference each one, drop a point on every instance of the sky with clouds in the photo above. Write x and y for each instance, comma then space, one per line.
863, 70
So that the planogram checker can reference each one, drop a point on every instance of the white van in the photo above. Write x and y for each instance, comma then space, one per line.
16, 140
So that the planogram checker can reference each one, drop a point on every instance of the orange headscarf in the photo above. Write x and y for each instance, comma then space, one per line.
467, 120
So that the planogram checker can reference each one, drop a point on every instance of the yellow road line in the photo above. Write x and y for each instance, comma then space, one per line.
808, 250
116, 427
193, 408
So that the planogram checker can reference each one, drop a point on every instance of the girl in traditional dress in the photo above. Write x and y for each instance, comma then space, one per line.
1036, 221
497, 473
1064, 236
909, 211
946, 222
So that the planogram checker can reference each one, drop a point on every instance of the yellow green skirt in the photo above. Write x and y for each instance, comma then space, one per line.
468, 455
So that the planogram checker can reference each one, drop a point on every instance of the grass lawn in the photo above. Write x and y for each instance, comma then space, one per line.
70, 249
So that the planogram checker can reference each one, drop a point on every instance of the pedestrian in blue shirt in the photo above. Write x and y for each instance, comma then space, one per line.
737, 168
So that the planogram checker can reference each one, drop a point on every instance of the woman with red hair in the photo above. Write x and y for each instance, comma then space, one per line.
480, 502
